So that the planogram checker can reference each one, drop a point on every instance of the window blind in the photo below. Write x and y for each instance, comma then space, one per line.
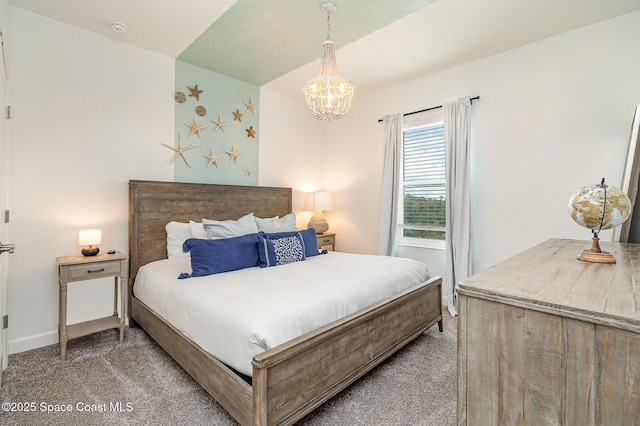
424, 181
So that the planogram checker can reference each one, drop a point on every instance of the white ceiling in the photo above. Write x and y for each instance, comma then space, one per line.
437, 36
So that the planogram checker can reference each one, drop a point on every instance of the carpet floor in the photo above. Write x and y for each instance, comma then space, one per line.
137, 383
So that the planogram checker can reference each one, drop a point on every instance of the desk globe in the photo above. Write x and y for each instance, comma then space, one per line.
599, 207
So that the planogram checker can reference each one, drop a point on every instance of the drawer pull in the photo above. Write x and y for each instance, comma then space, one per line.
94, 271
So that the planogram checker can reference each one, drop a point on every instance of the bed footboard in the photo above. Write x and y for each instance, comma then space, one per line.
291, 380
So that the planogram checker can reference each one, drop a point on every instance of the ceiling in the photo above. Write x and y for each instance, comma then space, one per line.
277, 43
257, 40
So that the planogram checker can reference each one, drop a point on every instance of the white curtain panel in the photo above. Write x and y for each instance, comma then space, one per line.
457, 127
390, 185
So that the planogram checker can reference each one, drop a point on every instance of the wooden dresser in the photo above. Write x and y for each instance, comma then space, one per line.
546, 339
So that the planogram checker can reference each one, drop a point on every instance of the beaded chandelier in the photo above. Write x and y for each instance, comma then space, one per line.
328, 96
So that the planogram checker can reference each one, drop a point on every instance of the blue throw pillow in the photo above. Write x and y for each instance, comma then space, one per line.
280, 248
310, 242
308, 238
222, 255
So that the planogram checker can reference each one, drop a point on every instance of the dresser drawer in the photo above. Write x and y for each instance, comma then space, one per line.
94, 270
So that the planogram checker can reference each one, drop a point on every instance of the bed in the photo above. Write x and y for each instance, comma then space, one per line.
292, 379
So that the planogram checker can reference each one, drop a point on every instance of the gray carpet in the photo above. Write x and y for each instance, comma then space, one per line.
416, 386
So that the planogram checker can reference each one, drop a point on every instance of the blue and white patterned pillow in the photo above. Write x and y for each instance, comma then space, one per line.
288, 250
280, 250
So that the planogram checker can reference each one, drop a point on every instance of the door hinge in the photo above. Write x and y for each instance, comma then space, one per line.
8, 112
6, 216
5, 321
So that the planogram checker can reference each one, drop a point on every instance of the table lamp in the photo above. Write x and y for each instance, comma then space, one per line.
89, 238
318, 201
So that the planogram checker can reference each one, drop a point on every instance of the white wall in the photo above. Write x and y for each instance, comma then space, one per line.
291, 148
89, 113
553, 116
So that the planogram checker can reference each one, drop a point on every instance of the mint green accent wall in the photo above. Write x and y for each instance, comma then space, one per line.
220, 95
251, 33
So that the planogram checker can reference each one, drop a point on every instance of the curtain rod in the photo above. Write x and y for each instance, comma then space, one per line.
429, 109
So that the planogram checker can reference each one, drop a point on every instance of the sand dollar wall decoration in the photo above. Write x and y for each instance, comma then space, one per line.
180, 97
201, 111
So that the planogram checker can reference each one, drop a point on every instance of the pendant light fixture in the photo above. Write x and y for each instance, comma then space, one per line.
328, 96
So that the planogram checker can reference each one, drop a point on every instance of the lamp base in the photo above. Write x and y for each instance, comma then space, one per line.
90, 251
318, 222
595, 255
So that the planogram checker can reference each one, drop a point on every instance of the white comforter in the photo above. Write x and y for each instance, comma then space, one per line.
238, 314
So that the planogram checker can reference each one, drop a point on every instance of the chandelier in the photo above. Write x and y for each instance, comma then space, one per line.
328, 96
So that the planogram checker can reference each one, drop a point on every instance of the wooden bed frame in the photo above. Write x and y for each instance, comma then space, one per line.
293, 379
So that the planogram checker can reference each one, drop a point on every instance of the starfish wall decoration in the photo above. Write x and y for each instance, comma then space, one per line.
250, 106
195, 128
195, 92
202, 108
219, 124
233, 155
213, 158
179, 151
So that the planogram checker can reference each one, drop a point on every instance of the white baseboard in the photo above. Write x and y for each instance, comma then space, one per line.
33, 342
445, 303
38, 340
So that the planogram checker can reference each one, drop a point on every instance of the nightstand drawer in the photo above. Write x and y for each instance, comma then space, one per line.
94, 270
326, 241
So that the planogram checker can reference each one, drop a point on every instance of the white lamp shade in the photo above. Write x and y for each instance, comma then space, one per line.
90, 237
318, 201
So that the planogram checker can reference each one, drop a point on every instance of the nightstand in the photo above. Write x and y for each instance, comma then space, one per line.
81, 268
328, 239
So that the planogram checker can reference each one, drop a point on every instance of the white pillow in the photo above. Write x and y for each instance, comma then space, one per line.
277, 224
177, 233
262, 224
230, 228
197, 230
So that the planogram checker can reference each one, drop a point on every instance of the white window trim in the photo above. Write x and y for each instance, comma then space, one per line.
421, 243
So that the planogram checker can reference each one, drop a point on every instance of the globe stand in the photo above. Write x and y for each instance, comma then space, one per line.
595, 255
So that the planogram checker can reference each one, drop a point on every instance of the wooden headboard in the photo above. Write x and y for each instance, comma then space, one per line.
154, 204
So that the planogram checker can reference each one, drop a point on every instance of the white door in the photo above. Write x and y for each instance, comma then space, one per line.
5, 248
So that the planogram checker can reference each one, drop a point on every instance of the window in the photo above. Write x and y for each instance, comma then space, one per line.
423, 182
